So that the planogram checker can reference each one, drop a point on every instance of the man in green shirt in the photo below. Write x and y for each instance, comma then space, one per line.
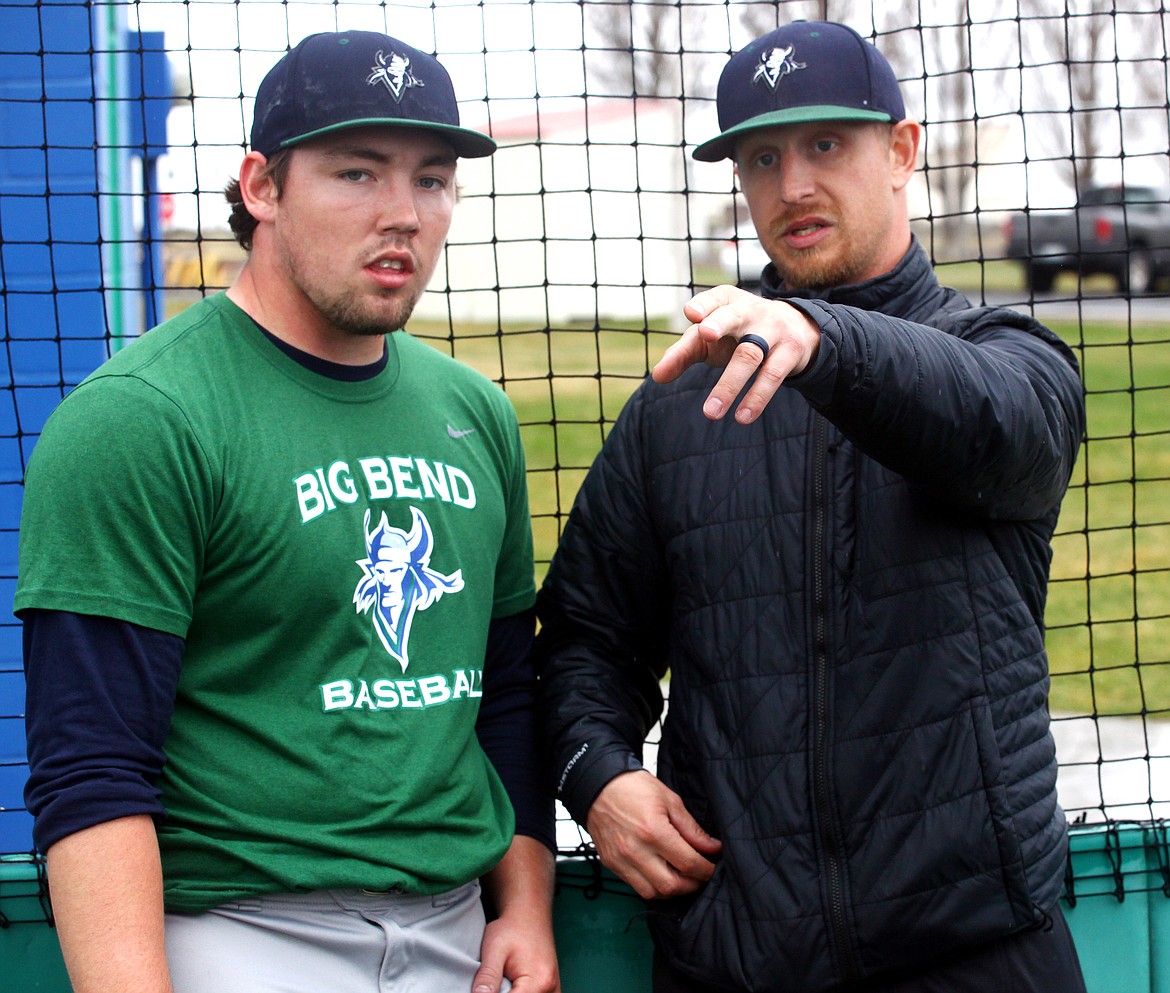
276, 579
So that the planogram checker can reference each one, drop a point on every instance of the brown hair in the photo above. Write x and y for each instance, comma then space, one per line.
242, 223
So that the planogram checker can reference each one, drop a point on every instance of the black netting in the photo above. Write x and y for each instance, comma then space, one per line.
576, 245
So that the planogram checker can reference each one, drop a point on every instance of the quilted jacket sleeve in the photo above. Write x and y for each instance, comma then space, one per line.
602, 642
984, 411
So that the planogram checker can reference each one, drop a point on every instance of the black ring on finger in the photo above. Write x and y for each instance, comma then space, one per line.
755, 339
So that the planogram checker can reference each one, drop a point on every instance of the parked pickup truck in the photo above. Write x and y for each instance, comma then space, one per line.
1122, 231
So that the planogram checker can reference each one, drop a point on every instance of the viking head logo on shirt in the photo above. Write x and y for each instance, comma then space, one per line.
398, 580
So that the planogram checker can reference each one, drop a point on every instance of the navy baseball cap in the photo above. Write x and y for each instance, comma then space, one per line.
353, 79
804, 71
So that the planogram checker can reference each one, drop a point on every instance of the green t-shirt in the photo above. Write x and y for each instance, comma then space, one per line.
332, 554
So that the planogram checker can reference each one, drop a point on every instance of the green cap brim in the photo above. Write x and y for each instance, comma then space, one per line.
467, 143
723, 146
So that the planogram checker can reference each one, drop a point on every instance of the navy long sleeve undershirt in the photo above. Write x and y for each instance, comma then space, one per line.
99, 703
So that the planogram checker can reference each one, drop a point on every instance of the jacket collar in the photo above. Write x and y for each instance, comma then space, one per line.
910, 290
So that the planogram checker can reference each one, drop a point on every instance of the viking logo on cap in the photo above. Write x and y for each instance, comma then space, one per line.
775, 64
394, 74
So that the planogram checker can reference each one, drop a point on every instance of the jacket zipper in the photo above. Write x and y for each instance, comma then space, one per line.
830, 839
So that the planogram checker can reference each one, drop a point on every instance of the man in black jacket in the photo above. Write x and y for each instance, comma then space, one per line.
846, 580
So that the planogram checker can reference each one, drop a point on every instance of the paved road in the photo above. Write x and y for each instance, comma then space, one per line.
1147, 309
1121, 763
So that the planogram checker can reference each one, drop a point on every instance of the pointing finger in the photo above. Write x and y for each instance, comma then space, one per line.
745, 360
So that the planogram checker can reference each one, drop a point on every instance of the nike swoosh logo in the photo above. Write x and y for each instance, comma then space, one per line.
459, 434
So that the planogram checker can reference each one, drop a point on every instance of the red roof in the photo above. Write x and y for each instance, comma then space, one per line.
579, 118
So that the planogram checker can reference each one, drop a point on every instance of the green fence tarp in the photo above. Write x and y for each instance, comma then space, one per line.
1117, 900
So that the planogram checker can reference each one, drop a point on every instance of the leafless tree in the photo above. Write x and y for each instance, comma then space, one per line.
933, 59
639, 47
758, 17
1075, 43
633, 47
1095, 93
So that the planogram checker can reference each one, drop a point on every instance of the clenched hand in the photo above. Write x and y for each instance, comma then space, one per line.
646, 836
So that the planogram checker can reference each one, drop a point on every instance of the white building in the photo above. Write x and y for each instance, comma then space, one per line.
579, 217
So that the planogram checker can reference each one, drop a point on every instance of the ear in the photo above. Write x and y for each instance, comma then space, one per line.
257, 187
905, 137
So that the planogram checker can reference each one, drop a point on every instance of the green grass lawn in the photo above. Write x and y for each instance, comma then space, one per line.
1109, 601
568, 386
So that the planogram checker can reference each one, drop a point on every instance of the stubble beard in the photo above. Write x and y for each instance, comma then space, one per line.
351, 316
844, 262
355, 314
811, 272
821, 267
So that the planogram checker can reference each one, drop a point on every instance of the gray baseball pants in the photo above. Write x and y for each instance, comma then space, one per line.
333, 941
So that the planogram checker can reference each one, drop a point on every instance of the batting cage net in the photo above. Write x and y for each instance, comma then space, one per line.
1043, 185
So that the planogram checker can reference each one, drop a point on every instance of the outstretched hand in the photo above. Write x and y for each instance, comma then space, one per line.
645, 835
720, 318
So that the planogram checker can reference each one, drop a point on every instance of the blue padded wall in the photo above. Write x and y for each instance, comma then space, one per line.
52, 313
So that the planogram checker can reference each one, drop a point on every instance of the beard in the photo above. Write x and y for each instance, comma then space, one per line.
359, 314
813, 269
847, 260
359, 318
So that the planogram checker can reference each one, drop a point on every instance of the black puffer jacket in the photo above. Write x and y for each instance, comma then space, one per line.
849, 597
